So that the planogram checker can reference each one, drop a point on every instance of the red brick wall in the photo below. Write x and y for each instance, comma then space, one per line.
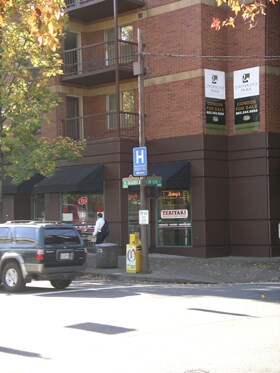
272, 80
174, 109
182, 41
175, 33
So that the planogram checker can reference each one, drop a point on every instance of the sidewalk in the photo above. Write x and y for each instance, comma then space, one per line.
178, 269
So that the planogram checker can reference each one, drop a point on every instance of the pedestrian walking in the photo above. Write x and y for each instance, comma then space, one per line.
101, 230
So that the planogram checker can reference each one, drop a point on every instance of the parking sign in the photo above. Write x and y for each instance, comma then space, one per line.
140, 161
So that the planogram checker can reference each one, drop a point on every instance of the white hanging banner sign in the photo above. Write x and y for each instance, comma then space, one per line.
215, 100
246, 88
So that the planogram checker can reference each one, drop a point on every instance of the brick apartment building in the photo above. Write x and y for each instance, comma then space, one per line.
212, 127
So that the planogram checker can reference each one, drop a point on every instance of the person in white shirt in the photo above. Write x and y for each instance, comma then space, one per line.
97, 228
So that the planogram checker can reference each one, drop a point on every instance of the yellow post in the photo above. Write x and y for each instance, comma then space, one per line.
134, 239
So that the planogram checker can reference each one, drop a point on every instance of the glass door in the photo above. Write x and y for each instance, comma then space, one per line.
72, 60
125, 34
174, 226
110, 47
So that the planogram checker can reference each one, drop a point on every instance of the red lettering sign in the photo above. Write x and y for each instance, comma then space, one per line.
83, 200
174, 194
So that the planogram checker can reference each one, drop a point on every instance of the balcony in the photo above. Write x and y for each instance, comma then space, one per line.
102, 125
95, 64
91, 10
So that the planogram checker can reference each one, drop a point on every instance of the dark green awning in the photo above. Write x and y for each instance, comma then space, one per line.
26, 187
87, 178
174, 174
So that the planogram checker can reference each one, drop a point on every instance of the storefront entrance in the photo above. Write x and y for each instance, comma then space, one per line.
169, 209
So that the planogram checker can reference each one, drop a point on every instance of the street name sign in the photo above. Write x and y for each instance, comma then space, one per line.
154, 180
130, 181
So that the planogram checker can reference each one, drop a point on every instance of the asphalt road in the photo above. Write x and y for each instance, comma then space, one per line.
112, 327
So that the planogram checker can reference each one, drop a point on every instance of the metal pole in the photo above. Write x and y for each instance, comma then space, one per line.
144, 227
117, 78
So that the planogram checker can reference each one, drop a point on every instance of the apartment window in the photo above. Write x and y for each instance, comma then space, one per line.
125, 46
74, 122
127, 116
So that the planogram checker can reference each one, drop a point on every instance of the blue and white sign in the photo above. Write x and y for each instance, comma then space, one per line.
140, 161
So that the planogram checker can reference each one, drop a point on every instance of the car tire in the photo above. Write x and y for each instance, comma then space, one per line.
60, 284
12, 278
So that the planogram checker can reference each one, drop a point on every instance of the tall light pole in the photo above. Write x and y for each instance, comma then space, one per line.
144, 227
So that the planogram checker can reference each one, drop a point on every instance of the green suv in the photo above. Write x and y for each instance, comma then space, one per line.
39, 251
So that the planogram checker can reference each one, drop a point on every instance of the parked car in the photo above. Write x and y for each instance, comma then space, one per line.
31, 250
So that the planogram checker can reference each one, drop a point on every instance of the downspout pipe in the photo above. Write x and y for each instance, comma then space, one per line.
117, 78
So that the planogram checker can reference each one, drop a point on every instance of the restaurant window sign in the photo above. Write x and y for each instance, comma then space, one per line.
174, 227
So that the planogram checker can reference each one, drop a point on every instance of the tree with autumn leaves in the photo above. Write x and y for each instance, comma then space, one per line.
30, 38
249, 11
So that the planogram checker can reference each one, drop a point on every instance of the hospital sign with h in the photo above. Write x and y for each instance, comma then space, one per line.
140, 161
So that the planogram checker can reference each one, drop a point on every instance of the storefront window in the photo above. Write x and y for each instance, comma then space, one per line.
133, 212
174, 218
39, 213
81, 208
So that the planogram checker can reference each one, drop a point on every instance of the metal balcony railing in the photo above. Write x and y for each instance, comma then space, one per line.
94, 57
103, 125
70, 3
92, 10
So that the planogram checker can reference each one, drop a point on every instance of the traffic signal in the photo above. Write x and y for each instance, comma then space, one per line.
152, 191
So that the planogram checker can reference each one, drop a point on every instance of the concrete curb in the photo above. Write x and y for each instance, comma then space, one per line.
185, 270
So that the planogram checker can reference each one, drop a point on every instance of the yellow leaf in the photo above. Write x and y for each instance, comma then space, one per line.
50, 27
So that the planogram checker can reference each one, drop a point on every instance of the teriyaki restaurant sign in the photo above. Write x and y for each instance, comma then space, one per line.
174, 214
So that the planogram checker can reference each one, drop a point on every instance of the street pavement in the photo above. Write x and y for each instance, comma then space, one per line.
178, 269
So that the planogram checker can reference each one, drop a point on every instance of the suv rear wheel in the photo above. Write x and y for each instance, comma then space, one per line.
12, 278
60, 284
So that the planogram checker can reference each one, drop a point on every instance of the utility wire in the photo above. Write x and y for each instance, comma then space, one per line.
226, 58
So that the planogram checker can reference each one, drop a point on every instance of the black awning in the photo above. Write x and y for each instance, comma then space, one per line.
88, 178
174, 174
26, 187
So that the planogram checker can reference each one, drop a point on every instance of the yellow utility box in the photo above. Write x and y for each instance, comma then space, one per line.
134, 239
133, 254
